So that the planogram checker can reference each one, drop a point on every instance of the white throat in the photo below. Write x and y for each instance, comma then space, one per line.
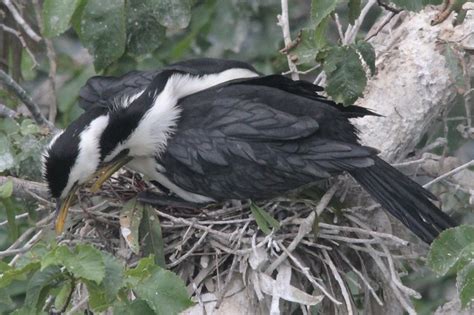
149, 139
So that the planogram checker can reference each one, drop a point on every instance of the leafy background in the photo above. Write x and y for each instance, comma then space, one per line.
124, 35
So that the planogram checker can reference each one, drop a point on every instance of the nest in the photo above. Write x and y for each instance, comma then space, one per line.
320, 256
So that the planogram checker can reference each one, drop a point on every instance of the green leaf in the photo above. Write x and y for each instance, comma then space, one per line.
346, 78
151, 237
113, 279
320, 9
354, 10
143, 269
453, 63
84, 262
368, 54
144, 32
6, 189
414, 5
130, 218
174, 14
28, 127
452, 250
63, 295
164, 292
7, 159
465, 284
11, 211
137, 307
39, 284
9, 273
57, 15
5, 298
101, 296
264, 220
103, 30
311, 43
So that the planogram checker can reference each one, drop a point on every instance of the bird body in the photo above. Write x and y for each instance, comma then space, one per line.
213, 130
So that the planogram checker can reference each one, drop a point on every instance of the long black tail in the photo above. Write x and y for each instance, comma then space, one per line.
404, 199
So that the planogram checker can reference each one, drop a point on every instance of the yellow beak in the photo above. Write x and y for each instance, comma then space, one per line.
62, 208
108, 170
103, 174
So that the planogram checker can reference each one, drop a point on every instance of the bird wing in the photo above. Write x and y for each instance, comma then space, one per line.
104, 90
234, 141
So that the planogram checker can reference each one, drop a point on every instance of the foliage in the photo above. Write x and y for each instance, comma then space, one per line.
58, 269
453, 252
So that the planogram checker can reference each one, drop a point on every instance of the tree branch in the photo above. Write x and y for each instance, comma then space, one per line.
23, 188
26, 99
19, 19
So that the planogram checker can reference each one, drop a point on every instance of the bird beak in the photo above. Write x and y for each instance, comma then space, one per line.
109, 169
62, 207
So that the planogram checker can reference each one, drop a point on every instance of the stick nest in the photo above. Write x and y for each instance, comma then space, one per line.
320, 255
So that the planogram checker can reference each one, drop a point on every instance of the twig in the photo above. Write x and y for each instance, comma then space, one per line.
305, 227
26, 99
19, 19
381, 25
310, 277
22, 41
351, 33
361, 276
339, 27
7, 112
78, 306
51, 54
283, 22
388, 7
337, 276
450, 173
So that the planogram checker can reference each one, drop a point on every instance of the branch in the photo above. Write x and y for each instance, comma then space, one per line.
22, 41
19, 19
26, 99
24, 189
51, 54
284, 23
7, 112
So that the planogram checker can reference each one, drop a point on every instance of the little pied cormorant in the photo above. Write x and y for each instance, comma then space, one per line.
213, 130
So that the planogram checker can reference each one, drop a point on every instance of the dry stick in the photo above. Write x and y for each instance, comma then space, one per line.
51, 54
450, 173
337, 276
19, 19
189, 252
361, 276
283, 22
401, 298
26, 99
305, 227
309, 276
364, 231
22, 41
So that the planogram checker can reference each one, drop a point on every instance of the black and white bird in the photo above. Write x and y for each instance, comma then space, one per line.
211, 130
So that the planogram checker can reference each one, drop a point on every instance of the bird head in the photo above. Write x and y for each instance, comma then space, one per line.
73, 158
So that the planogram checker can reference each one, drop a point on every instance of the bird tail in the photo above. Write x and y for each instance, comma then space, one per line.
404, 199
